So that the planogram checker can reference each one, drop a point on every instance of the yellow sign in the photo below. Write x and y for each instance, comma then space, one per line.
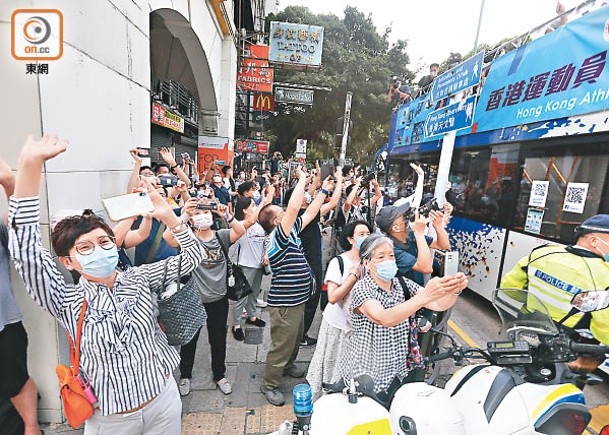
377, 427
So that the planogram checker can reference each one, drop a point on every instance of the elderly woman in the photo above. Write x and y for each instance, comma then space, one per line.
125, 356
383, 341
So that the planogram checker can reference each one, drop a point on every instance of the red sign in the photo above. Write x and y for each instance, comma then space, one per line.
165, 118
255, 75
257, 51
264, 102
252, 146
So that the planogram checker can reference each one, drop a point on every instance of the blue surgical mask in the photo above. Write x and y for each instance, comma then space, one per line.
358, 241
99, 264
605, 256
386, 270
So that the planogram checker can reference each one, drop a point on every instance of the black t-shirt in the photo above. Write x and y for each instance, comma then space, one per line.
310, 239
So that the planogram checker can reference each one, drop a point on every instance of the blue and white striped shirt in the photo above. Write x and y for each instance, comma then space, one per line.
124, 354
291, 280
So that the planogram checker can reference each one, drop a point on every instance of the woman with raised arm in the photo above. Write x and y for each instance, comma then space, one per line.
124, 355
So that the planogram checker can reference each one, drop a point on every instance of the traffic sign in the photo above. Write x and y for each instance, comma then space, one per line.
453, 117
461, 77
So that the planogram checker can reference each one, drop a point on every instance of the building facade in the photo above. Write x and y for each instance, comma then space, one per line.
117, 54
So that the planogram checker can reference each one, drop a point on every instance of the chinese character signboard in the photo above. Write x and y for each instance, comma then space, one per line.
562, 74
264, 102
165, 118
252, 146
298, 44
457, 79
411, 119
255, 75
256, 51
453, 117
294, 96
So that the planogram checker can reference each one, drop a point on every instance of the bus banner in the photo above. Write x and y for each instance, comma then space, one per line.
410, 122
559, 75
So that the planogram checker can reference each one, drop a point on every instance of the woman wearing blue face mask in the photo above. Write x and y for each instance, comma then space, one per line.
383, 341
124, 354
341, 275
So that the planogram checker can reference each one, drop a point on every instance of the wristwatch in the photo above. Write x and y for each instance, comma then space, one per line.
325, 192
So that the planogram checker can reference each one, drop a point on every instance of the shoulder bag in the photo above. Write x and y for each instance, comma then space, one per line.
77, 396
237, 286
181, 314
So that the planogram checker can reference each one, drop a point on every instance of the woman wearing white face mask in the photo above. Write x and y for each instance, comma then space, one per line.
383, 341
342, 274
211, 280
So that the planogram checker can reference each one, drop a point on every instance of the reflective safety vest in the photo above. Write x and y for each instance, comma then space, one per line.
554, 276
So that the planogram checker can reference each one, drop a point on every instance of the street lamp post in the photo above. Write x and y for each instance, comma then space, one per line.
479, 24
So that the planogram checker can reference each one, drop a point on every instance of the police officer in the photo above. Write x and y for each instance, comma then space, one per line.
554, 274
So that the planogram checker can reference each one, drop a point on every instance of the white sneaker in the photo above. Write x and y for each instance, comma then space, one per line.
184, 386
224, 386
261, 304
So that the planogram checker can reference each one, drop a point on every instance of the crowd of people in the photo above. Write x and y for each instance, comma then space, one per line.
373, 295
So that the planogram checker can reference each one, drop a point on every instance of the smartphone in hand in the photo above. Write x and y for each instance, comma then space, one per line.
451, 263
126, 206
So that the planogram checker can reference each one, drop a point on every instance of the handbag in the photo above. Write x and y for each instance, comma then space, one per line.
181, 314
237, 286
76, 395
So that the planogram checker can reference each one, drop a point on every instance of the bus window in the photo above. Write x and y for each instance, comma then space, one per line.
559, 171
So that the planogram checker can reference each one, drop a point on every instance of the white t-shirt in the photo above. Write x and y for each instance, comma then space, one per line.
338, 314
249, 249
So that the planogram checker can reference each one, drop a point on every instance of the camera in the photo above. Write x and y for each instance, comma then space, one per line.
202, 195
168, 180
185, 156
395, 82
367, 179
423, 210
210, 206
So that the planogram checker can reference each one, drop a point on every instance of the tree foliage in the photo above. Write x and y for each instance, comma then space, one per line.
355, 58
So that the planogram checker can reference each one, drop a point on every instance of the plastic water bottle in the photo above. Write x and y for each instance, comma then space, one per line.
303, 405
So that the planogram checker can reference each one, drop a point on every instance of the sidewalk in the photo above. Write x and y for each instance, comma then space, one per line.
206, 411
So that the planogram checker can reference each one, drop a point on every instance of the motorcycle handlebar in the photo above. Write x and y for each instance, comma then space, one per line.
440, 356
590, 349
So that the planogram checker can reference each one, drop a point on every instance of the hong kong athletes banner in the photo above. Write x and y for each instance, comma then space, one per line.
562, 74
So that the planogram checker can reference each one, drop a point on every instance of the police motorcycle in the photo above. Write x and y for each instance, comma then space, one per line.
522, 387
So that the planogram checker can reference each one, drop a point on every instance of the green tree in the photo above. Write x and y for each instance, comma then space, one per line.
355, 58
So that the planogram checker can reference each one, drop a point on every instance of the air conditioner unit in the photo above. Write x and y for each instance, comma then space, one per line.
208, 122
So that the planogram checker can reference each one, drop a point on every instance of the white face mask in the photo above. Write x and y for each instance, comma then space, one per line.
202, 221
217, 179
256, 195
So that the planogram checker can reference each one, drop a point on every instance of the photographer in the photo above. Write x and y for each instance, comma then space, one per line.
398, 94
211, 278
411, 245
353, 209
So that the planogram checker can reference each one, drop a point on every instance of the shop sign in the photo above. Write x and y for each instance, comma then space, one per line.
213, 142
294, 96
298, 44
264, 102
166, 118
252, 146
255, 75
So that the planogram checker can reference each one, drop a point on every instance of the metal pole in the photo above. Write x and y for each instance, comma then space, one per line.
346, 121
479, 24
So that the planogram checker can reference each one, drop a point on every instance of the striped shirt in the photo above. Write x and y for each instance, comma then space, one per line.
291, 280
124, 354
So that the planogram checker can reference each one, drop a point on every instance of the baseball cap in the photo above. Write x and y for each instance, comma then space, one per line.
596, 224
388, 214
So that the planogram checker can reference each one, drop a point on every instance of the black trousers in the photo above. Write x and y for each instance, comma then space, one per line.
311, 306
217, 315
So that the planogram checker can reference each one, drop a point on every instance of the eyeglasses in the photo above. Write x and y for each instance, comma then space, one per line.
87, 248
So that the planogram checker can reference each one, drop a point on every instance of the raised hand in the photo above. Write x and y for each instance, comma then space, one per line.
328, 184
338, 174
167, 157
135, 155
7, 178
417, 169
43, 149
301, 173
418, 225
438, 288
162, 210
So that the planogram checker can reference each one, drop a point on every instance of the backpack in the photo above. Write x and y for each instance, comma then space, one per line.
341, 266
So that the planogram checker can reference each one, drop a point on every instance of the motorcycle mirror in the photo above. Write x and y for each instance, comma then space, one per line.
587, 302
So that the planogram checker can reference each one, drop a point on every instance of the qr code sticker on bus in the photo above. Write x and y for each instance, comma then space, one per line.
575, 197
539, 189
576, 194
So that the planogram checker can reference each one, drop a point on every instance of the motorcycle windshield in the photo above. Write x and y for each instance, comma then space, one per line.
522, 313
